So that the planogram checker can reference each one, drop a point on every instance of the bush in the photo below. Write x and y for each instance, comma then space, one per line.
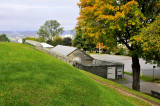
34, 39
3, 38
120, 51
57, 41
67, 41
49, 42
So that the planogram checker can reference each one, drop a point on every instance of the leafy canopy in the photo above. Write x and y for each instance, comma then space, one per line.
50, 29
149, 40
111, 21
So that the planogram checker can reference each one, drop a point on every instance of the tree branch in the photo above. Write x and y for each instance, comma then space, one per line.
125, 43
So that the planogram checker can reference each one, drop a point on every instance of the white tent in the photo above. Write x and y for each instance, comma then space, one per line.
45, 45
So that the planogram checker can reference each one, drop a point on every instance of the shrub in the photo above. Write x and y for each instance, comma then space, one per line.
34, 39
3, 38
67, 41
57, 41
49, 42
120, 51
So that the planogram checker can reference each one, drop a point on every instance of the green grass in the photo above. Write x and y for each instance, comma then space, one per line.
144, 78
31, 77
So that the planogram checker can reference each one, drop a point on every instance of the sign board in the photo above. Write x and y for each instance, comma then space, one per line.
119, 70
111, 73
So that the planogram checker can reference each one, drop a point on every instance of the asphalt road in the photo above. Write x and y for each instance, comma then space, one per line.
146, 69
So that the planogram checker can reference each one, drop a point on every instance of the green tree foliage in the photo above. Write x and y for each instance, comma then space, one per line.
82, 43
50, 29
150, 41
67, 41
112, 21
89, 45
43, 34
57, 41
78, 41
3, 38
49, 41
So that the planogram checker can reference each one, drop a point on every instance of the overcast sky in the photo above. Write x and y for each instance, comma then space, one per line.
29, 15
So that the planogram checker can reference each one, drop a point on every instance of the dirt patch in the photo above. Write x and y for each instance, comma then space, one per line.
125, 92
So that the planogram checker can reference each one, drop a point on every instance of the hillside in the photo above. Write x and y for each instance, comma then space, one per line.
31, 77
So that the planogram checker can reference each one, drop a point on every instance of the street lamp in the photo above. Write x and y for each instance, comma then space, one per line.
153, 71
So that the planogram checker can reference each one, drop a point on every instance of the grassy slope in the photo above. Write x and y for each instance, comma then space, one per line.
29, 77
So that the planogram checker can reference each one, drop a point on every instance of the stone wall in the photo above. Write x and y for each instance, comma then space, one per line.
100, 70
97, 70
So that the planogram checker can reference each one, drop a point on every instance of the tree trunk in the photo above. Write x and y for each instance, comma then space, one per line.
136, 73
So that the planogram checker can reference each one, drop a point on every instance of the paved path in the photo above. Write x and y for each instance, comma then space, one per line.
146, 69
146, 87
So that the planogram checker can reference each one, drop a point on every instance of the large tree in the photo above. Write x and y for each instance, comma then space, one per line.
112, 21
50, 29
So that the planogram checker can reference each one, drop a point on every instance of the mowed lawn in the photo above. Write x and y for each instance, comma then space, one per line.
31, 77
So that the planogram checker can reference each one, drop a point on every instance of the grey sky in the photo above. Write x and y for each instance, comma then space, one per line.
29, 15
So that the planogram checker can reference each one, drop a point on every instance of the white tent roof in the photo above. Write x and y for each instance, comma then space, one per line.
64, 50
46, 45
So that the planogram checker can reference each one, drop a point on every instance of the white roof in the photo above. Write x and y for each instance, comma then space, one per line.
64, 50
46, 45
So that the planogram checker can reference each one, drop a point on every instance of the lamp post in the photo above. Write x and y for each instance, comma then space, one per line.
153, 71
